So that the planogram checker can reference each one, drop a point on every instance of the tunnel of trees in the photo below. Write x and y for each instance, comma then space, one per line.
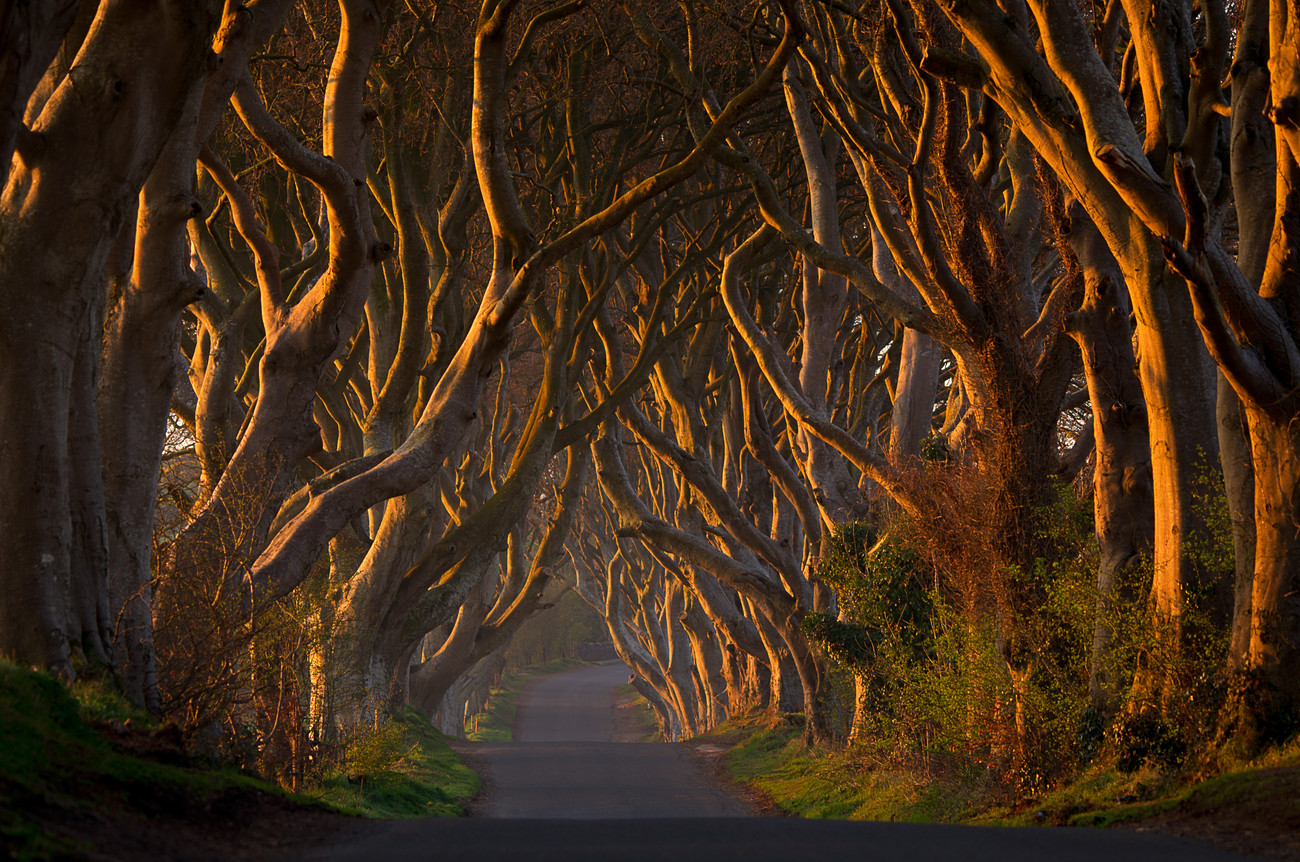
916, 371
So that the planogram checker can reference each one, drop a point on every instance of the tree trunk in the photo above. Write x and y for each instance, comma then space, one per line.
142, 360
1178, 386
1239, 482
100, 132
1122, 494
30, 37
1267, 691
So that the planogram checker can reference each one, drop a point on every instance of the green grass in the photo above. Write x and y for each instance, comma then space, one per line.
53, 763
836, 784
497, 720
850, 784
404, 770
1267, 789
805, 782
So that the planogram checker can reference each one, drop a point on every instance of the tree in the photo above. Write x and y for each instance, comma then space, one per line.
454, 293
1152, 172
69, 196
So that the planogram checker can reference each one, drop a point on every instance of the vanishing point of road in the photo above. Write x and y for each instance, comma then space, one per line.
565, 792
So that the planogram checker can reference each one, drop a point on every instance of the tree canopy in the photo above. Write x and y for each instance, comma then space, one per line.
918, 370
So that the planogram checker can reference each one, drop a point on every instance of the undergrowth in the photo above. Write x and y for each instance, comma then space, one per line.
403, 769
842, 784
854, 783
54, 763
72, 753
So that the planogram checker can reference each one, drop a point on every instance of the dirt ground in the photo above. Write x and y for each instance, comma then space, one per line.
1248, 837
1266, 825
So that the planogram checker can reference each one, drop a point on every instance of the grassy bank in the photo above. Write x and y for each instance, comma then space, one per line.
1259, 798
54, 766
841, 784
405, 769
82, 770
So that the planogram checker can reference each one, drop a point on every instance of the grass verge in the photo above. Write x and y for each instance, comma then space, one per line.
54, 764
83, 773
405, 769
1260, 797
838, 784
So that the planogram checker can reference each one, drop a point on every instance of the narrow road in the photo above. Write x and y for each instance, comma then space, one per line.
565, 763
566, 793
575, 706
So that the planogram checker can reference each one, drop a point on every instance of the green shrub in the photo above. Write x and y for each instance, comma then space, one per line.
375, 751
999, 680
404, 768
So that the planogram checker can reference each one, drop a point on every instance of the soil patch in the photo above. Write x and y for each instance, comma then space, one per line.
712, 761
1254, 814
633, 720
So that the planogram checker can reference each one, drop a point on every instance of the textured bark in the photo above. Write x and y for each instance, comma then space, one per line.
431, 680
1122, 492
1099, 158
99, 134
1274, 651
300, 337
824, 300
30, 37
489, 628
707, 666
141, 352
1255, 339
1238, 465
918, 366
514, 276
1254, 185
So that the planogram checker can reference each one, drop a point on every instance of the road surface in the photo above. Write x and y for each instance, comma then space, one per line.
565, 793
565, 764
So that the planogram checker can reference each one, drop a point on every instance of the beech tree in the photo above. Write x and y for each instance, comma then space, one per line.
678, 301
1145, 136
973, 286
412, 577
81, 153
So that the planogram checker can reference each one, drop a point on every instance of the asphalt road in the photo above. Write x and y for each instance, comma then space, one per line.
575, 706
566, 765
564, 792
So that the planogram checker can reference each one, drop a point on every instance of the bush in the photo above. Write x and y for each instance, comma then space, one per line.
962, 667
